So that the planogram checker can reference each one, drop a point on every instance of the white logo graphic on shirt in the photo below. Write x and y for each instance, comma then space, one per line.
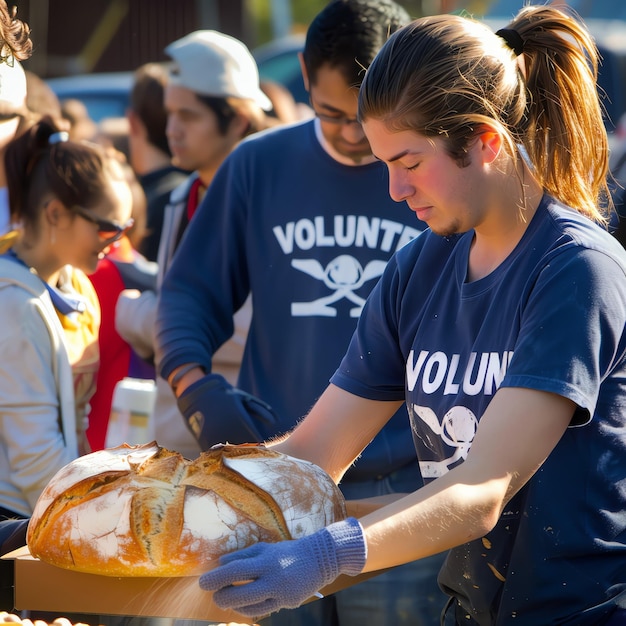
457, 430
437, 374
353, 235
343, 275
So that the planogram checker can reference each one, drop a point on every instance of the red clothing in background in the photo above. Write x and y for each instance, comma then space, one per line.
121, 269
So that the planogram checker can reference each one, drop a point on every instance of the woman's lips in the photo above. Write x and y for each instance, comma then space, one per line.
423, 212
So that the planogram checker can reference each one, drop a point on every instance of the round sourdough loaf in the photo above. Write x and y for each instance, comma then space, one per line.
147, 511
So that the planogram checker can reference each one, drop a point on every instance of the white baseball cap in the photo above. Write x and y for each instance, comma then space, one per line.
213, 64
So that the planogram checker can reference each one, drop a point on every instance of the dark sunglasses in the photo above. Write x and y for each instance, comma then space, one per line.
109, 232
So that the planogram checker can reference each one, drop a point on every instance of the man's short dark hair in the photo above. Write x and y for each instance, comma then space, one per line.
146, 100
347, 34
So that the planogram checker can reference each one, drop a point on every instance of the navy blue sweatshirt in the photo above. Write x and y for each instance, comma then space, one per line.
309, 237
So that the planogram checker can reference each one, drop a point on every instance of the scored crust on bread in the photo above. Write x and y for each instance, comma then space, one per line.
147, 511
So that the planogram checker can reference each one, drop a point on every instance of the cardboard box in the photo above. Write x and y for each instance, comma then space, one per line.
43, 587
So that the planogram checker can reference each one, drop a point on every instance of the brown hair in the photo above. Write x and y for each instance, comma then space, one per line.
446, 76
42, 161
146, 100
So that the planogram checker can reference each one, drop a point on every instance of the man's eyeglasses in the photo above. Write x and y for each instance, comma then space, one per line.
340, 120
109, 232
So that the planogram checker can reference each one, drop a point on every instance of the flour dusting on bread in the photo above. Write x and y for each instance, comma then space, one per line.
147, 511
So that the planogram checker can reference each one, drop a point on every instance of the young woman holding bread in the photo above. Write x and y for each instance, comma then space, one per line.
502, 327
68, 198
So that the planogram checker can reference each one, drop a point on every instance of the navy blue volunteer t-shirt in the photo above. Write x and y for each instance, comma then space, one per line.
551, 317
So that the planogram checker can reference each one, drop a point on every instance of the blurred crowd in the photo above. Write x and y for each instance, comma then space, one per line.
139, 143
82, 211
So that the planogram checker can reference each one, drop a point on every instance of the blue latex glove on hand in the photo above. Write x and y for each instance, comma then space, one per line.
285, 574
216, 412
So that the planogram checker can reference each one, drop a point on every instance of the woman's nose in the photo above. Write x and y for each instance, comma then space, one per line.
399, 188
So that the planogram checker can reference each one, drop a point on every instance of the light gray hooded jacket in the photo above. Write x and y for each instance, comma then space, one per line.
38, 424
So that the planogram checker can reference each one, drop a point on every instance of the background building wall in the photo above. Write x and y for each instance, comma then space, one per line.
85, 36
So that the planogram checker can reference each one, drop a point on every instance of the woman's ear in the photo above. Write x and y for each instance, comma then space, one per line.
490, 144
52, 211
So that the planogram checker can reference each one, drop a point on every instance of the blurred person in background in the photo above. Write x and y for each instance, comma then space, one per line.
300, 217
68, 197
619, 198
114, 133
15, 46
24, 98
81, 126
122, 267
617, 164
41, 99
213, 100
284, 109
138, 232
149, 152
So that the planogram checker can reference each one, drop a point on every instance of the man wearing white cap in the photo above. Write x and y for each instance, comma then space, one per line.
213, 100
218, 72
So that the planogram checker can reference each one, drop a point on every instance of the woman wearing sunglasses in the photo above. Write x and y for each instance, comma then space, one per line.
69, 200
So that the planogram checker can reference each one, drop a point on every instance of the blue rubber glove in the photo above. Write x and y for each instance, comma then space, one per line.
285, 574
216, 412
